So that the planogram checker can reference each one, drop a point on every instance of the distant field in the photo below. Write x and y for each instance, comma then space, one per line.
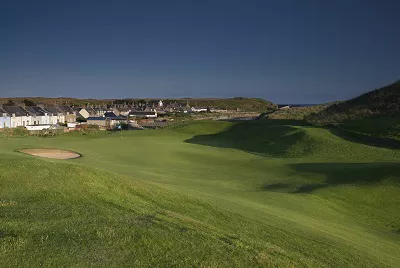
266, 193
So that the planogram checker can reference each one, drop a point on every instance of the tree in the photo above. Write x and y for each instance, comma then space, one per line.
29, 103
10, 103
80, 119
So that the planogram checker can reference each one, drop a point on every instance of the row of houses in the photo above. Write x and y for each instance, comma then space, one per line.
104, 116
149, 110
17, 116
103, 112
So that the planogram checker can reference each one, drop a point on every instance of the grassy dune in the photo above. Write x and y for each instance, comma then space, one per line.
214, 194
376, 113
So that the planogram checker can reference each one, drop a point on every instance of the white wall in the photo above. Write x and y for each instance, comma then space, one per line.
19, 121
40, 120
38, 127
151, 116
5, 122
53, 119
84, 113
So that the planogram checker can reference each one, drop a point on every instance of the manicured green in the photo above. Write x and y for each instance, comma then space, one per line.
206, 194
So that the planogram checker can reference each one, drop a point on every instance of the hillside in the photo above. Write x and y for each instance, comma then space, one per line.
375, 113
266, 193
245, 104
380, 102
296, 113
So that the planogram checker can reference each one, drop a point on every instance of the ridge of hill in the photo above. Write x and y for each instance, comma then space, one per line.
295, 113
383, 101
376, 113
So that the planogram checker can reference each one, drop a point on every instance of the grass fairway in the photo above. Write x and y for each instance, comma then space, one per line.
211, 194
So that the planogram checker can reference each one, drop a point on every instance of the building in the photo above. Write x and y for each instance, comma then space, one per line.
89, 112
5, 119
39, 116
110, 115
123, 111
105, 122
100, 111
147, 114
69, 113
83, 113
19, 117
199, 109
55, 115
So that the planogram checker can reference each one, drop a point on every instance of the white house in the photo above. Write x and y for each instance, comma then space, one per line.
39, 115
123, 111
5, 119
69, 113
146, 114
55, 115
19, 117
199, 109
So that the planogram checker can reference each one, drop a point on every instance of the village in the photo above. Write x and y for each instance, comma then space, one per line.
138, 115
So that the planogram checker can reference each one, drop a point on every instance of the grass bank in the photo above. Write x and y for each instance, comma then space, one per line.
218, 194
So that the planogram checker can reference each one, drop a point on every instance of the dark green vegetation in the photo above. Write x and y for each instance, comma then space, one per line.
245, 104
269, 193
375, 113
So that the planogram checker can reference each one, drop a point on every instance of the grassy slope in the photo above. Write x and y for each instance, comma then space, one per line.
216, 194
375, 113
297, 113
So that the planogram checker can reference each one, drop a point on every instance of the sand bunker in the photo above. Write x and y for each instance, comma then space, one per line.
51, 153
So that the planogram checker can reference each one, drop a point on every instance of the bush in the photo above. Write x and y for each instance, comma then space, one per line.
15, 132
80, 119
87, 132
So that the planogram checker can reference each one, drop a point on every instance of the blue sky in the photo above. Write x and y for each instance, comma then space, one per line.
284, 51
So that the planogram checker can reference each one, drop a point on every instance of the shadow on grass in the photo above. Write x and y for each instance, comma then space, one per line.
276, 137
365, 139
262, 137
338, 174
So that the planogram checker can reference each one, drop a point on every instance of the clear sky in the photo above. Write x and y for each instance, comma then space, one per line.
298, 51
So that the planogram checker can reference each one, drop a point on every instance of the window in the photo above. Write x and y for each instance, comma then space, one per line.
23, 123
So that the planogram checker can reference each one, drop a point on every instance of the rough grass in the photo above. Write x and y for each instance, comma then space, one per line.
377, 126
375, 113
297, 113
212, 194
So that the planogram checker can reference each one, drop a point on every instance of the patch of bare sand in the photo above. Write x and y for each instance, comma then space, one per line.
51, 153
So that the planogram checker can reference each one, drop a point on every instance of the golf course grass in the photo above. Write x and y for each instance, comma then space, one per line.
205, 194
